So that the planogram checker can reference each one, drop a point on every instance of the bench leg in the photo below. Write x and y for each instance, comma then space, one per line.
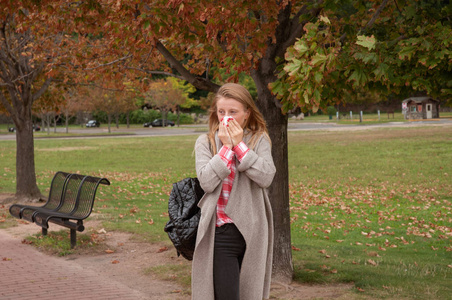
44, 231
73, 238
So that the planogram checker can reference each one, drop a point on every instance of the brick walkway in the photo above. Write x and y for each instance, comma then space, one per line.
26, 273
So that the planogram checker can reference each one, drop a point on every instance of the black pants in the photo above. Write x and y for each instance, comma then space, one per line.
227, 261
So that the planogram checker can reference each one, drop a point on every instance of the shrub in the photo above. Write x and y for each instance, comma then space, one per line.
331, 111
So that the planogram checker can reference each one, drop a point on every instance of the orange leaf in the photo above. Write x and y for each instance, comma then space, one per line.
115, 262
295, 248
109, 251
163, 249
372, 262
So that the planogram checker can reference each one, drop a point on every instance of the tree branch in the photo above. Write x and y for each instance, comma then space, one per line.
43, 88
296, 28
156, 72
196, 81
6, 104
110, 63
376, 15
371, 21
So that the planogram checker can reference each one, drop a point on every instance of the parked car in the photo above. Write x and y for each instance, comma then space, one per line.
93, 123
35, 128
158, 123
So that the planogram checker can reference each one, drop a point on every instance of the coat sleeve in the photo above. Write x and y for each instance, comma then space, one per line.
258, 164
211, 170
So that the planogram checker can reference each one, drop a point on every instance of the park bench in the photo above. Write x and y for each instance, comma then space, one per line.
70, 201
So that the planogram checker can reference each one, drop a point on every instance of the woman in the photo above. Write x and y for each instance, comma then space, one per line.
234, 245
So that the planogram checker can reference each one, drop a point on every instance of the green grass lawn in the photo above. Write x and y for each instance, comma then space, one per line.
368, 118
370, 207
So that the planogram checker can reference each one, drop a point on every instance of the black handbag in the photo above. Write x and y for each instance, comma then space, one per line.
184, 215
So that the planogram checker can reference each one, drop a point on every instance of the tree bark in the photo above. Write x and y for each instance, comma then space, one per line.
279, 190
26, 187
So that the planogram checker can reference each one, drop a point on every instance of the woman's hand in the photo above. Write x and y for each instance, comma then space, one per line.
224, 136
235, 132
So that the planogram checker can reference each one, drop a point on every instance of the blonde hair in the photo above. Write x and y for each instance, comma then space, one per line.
254, 124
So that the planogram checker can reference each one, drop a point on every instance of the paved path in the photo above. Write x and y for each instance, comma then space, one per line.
26, 273
202, 128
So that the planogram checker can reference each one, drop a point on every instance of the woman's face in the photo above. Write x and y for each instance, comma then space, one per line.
233, 108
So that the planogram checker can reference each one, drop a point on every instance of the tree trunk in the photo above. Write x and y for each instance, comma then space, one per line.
279, 190
48, 123
128, 119
54, 123
26, 187
67, 122
109, 123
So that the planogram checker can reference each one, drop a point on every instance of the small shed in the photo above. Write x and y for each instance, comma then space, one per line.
420, 108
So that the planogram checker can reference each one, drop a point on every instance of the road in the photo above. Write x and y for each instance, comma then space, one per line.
199, 129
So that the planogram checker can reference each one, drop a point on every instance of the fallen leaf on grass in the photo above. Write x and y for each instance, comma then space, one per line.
323, 251
163, 249
372, 262
101, 231
295, 248
360, 289
24, 241
450, 266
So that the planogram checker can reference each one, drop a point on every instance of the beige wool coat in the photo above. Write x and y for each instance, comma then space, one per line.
248, 206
